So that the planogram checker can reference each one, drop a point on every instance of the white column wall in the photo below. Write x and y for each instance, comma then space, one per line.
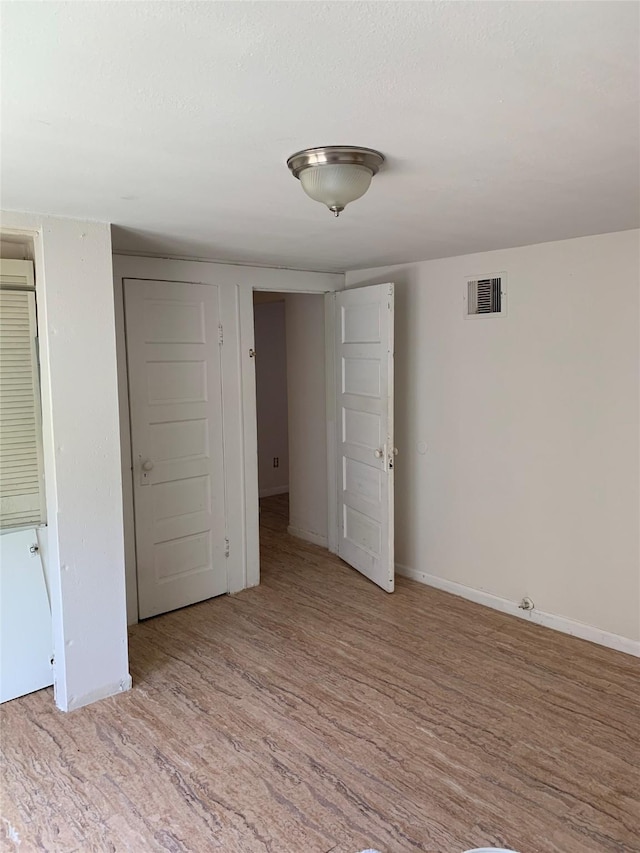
85, 548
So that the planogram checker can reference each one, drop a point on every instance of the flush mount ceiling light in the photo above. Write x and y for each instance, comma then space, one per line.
335, 174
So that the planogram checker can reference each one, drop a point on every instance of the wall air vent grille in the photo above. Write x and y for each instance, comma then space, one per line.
485, 296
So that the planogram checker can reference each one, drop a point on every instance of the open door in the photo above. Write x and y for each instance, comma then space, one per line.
364, 418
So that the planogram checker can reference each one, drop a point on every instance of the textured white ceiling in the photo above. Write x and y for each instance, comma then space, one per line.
503, 123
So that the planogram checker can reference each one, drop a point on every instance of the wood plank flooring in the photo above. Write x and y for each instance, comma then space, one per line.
316, 713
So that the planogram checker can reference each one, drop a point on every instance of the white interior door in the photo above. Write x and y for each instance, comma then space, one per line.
175, 389
364, 417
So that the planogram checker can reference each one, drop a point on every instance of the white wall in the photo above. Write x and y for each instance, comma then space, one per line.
85, 552
307, 417
530, 480
271, 397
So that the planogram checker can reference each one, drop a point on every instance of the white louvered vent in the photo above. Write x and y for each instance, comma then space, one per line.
486, 296
21, 469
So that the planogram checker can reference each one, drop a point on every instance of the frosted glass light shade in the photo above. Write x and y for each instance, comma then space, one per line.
335, 174
335, 184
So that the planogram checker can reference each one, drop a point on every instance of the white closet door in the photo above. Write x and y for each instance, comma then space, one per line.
175, 389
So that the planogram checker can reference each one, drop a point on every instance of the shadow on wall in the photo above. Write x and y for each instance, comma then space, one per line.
271, 394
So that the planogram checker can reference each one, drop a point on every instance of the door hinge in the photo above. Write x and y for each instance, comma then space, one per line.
220, 334
226, 546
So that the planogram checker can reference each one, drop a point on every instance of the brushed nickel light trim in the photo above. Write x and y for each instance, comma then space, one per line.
335, 155
351, 155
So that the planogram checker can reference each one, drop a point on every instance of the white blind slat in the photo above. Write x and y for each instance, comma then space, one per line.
21, 471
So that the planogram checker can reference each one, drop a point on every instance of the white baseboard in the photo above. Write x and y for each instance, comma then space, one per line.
101, 693
308, 536
274, 490
539, 617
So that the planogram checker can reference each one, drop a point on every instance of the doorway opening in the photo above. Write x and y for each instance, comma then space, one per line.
291, 415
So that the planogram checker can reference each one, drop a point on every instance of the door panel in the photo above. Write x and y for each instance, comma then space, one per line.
26, 642
364, 406
175, 387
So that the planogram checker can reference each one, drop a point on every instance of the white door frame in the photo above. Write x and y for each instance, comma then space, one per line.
332, 425
247, 344
236, 283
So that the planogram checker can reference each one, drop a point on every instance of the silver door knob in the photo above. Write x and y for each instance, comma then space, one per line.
378, 454
147, 465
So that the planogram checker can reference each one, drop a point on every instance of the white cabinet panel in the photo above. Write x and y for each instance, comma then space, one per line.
25, 618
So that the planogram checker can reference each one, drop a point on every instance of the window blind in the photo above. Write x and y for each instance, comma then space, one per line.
21, 469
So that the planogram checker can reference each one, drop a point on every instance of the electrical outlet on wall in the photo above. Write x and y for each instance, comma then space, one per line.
276, 461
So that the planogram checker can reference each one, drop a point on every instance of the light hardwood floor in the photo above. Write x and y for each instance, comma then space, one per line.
317, 713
